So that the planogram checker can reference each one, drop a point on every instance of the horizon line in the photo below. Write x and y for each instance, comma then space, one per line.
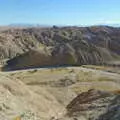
57, 25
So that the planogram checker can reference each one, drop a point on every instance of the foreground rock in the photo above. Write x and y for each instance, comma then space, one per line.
95, 105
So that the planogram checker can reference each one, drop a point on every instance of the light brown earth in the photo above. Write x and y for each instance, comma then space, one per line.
44, 94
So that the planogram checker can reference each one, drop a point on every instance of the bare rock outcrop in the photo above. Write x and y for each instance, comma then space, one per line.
95, 105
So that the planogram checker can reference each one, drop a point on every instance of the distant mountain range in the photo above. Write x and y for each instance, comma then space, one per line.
47, 25
28, 25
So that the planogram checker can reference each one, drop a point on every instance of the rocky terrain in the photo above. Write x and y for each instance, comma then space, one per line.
60, 73
59, 46
71, 93
95, 105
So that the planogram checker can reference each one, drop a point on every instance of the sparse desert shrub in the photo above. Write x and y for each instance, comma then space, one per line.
33, 71
77, 77
72, 71
104, 79
26, 116
51, 70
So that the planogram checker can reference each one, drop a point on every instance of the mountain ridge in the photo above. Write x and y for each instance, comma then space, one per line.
65, 45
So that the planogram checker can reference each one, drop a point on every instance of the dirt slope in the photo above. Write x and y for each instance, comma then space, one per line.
17, 100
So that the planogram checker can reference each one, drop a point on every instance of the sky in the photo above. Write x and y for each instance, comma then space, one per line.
59, 12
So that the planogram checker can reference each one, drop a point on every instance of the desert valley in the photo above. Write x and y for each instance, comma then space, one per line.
60, 73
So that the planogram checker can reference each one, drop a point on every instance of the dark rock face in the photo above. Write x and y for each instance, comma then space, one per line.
113, 112
95, 105
70, 45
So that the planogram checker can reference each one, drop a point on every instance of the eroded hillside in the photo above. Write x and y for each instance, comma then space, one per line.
59, 46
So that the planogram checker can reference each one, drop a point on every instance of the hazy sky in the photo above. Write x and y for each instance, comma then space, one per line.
60, 12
